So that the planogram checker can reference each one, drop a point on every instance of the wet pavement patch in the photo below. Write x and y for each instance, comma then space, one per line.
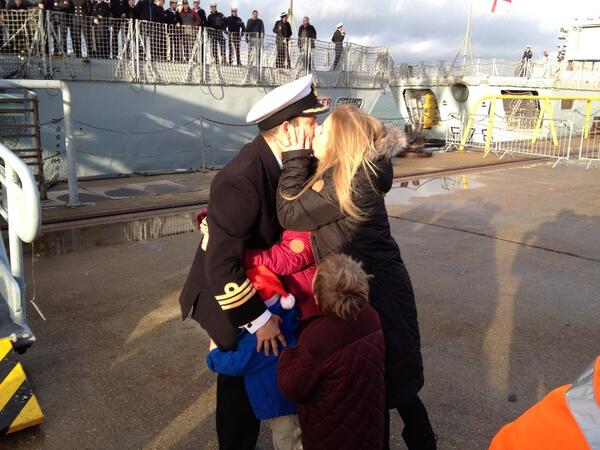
83, 198
404, 192
163, 188
124, 193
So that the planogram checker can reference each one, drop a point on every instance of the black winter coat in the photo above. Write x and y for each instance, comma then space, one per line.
101, 10
118, 8
283, 30
369, 241
171, 17
242, 215
255, 26
216, 21
304, 33
235, 25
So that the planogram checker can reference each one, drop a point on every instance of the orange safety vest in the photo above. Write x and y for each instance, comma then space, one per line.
568, 418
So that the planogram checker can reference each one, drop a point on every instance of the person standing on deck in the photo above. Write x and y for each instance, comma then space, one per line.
190, 23
101, 15
81, 27
236, 29
338, 40
201, 13
172, 22
307, 35
526, 62
158, 50
61, 20
283, 31
216, 24
120, 11
255, 30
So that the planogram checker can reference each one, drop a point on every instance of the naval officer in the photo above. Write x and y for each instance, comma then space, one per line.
242, 214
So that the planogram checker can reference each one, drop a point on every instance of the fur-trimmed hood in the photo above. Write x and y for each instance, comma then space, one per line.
392, 143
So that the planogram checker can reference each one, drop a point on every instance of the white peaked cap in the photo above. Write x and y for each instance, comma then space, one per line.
339, 25
285, 102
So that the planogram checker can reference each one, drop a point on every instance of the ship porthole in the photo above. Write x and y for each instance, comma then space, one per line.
460, 92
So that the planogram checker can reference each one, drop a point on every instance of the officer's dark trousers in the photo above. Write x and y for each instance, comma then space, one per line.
338, 56
237, 426
283, 54
61, 25
418, 433
101, 33
234, 45
118, 26
80, 27
217, 43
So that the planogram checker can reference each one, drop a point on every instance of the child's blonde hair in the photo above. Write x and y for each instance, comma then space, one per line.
341, 287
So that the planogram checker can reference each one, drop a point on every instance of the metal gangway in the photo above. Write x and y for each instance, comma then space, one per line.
21, 210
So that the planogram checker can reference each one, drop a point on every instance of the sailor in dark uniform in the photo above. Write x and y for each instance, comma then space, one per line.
82, 10
119, 11
101, 13
61, 23
242, 214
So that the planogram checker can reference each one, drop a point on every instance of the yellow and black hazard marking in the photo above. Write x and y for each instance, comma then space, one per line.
19, 407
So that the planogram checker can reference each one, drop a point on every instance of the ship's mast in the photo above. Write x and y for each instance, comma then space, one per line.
466, 48
291, 15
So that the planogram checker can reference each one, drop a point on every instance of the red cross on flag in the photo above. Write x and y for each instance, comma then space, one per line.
496, 4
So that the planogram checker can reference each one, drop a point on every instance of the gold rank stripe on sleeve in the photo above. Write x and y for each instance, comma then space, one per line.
235, 295
19, 407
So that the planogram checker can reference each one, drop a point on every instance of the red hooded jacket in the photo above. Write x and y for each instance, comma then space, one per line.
293, 260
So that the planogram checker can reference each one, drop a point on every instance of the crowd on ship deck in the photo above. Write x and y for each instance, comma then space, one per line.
177, 32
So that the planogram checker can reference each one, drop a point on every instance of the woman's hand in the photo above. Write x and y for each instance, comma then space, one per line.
296, 139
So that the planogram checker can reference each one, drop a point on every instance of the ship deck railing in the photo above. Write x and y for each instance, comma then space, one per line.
509, 72
51, 45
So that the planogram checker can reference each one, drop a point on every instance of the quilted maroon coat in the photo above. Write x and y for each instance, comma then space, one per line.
335, 375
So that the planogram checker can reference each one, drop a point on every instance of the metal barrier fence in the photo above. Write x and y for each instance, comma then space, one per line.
20, 208
552, 140
555, 139
589, 148
37, 44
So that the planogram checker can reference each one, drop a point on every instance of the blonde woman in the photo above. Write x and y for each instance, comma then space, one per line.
336, 191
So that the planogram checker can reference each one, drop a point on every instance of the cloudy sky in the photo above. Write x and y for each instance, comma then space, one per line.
431, 30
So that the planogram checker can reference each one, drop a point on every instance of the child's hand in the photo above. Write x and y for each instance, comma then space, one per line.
212, 346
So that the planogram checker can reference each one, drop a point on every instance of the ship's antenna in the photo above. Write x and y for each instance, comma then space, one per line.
466, 48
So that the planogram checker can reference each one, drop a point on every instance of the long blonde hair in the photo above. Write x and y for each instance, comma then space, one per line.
352, 146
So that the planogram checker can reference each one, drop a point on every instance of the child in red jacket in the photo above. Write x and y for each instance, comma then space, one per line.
335, 372
291, 258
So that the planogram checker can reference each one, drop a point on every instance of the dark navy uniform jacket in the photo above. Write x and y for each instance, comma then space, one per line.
242, 214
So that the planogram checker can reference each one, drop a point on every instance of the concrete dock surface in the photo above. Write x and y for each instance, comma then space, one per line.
505, 265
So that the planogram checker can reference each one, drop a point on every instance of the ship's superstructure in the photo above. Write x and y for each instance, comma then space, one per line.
439, 96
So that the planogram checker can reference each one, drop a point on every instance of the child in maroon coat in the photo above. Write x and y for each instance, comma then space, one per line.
335, 372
